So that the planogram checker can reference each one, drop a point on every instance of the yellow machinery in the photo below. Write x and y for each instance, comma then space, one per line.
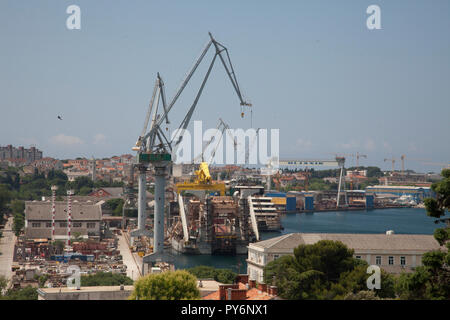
203, 176
202, 182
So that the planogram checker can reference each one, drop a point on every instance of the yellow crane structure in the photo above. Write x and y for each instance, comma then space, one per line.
203, 181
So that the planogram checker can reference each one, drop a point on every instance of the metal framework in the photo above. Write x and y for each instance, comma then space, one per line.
154, 148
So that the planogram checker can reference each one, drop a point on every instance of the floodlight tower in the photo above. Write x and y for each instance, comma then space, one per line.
69, 214
54, 188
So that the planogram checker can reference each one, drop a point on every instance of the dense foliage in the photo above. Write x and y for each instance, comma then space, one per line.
432, 279
16, 187
171, 285
225, 276
27, 293
115, 205
324, 270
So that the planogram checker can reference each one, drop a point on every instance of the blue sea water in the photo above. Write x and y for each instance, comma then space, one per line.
401, 220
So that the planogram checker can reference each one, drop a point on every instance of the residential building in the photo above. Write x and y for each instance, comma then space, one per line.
28, 155
47, 164
115, 192
393, 252
244, 289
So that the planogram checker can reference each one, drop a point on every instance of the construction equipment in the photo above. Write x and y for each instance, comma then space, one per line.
203, 180
250, 147
393, 163
339, 161
222, 127
403, 163
269, 171
155, 149
357, 158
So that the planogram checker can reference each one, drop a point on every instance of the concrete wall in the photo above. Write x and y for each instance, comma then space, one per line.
82, 294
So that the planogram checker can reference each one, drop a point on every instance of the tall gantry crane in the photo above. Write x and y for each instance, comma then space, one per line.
155, 149
222, 127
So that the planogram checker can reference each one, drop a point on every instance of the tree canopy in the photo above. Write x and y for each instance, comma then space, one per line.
432, 279
170, 285
206, 272
324, 270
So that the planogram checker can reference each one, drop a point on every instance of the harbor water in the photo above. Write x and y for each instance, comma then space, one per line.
401, 220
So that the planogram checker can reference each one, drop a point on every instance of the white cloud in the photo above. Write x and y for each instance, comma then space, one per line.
99, 138
63, 140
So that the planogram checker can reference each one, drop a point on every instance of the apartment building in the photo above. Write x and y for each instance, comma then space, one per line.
394, 253
28, 155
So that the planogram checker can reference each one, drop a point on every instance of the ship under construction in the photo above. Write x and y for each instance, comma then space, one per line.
213, 224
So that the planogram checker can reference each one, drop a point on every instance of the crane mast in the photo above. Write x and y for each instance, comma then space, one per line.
155, 149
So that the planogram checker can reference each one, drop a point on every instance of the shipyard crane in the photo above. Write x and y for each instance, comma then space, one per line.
155, 149
339, 161
222, 127
250, 147
356, 156
203, 180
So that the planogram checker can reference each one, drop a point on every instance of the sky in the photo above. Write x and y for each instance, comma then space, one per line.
310, 68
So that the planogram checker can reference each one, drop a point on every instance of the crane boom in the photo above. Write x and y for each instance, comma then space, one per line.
230, 72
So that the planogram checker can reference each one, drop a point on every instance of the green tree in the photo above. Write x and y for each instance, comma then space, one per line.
84, 191
356, 280
58, 246
436, 207
362, 295
311, 272
5, 197
115, 205
206, 272
170, 285
432, 279
3, 283
27, 293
